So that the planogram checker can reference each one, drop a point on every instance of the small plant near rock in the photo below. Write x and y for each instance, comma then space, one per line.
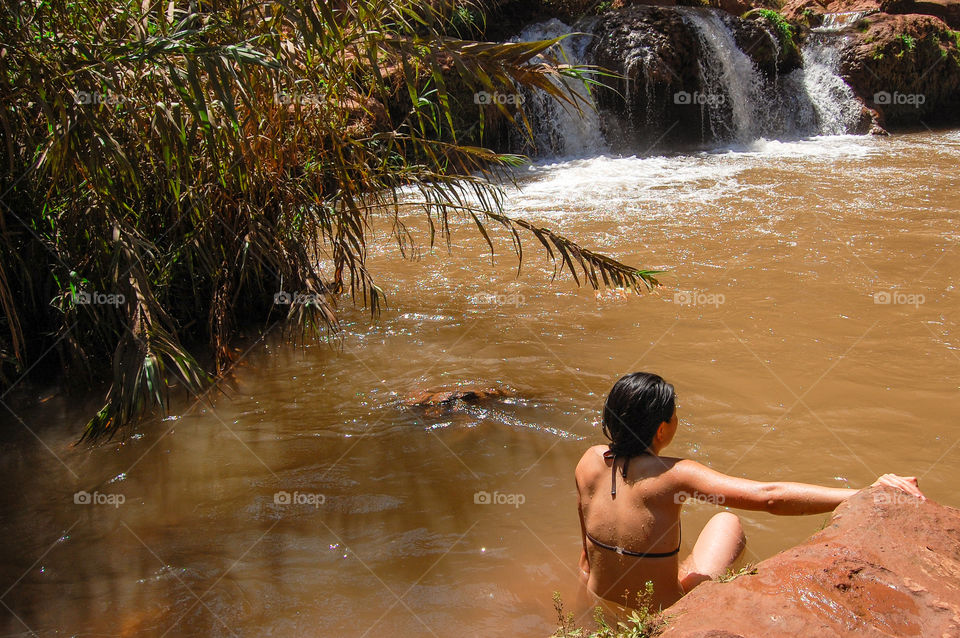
642, 622
908, 41
953, 37
466, 22
810, 18
747, 570
786, 32
604, 6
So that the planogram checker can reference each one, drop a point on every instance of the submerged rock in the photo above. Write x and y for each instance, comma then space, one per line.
887, 565
449, 398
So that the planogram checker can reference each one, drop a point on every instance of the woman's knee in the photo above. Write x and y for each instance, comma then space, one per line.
728, 521
728, 525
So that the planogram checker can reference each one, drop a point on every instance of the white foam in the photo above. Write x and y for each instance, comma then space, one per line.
819, 147
604, 184
607, 187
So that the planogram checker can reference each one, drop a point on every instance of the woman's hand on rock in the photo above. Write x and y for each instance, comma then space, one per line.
908, 484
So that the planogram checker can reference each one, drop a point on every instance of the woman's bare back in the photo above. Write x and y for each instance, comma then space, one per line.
644, 516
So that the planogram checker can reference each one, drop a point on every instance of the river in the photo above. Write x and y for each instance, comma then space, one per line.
808, 319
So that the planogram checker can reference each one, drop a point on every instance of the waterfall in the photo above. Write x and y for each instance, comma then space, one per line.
558, 129
837, 109
737, 102
733, 87
842, 21
813, 100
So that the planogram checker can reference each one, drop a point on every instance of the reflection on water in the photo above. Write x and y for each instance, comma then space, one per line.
809, 323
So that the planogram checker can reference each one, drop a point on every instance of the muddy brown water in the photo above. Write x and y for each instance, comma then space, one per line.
808, 320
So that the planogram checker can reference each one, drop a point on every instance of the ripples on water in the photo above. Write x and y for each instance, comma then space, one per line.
797, 373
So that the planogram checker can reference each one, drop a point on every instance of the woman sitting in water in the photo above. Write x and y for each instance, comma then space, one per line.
630, 499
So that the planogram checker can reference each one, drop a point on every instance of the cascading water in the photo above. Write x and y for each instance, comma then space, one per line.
842, 21
558, 128
734, 93
813, 100
738, 103
837, 110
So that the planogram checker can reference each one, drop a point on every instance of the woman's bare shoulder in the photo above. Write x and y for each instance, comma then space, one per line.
670, 468
591, 460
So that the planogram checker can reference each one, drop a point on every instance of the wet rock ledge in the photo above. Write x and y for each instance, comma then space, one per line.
886, 565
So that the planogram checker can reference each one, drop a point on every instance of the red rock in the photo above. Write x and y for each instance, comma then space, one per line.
796, 10
437, 397
887, 565
946, 10
905, 55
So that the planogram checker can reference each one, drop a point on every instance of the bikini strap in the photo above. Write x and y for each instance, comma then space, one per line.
613, 470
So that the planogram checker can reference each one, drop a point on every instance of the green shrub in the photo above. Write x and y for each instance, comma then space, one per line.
191, 161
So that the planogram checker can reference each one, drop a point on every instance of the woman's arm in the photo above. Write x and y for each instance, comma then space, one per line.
783, 498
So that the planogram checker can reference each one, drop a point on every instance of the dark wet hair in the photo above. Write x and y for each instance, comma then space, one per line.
635, 408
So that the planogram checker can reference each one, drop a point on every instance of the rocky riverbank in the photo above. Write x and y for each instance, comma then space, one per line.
886, 565
900, 58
